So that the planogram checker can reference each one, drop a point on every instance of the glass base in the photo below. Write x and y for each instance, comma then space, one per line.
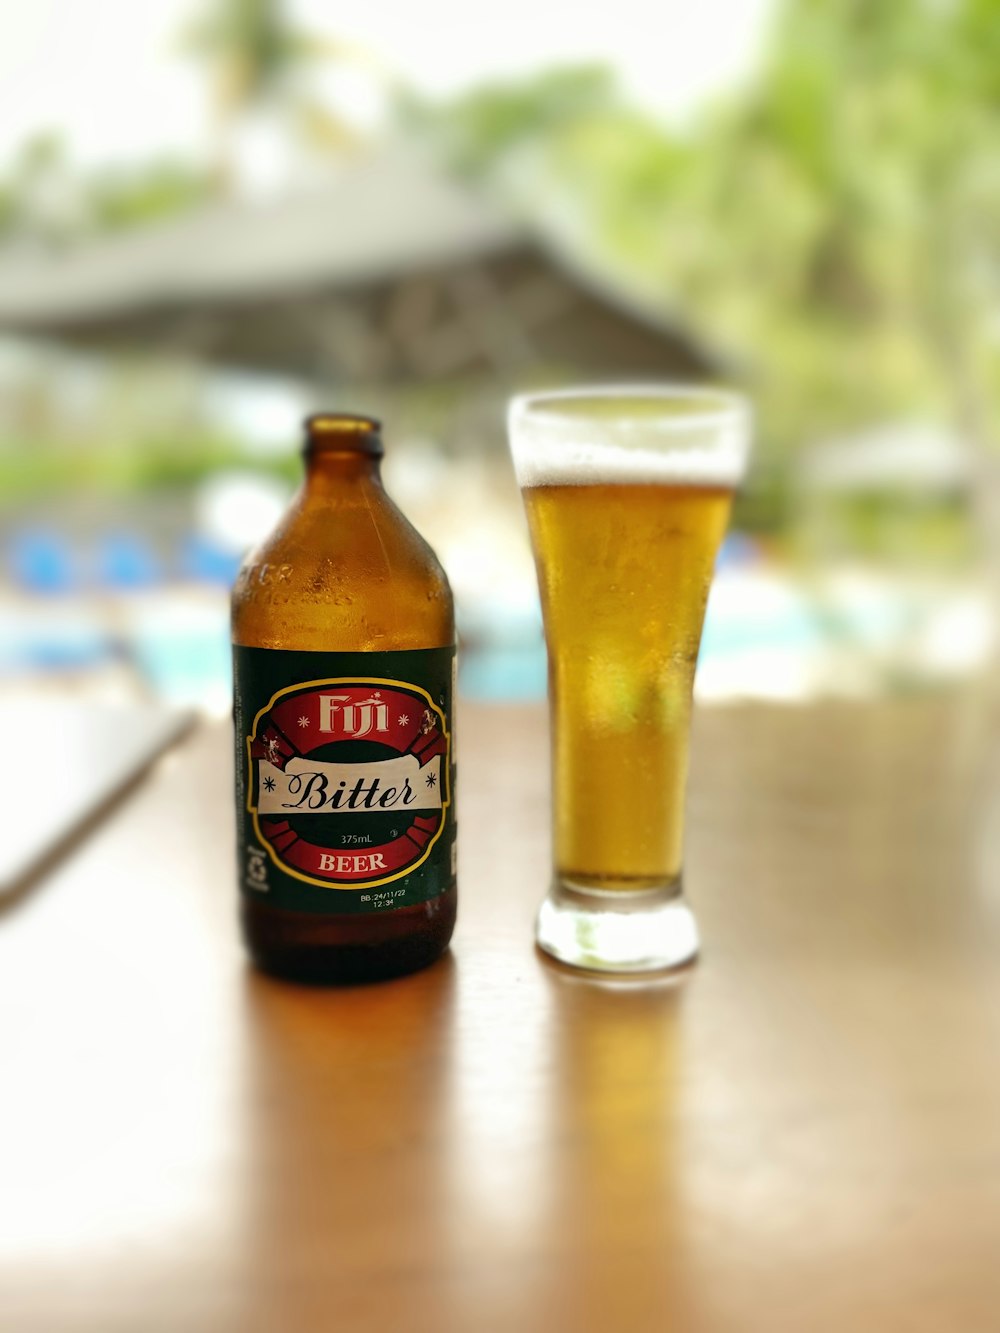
650, 931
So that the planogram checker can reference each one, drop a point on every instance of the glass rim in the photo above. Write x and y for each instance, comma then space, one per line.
702, 406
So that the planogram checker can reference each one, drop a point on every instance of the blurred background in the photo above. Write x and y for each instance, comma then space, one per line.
219, 215
216, 217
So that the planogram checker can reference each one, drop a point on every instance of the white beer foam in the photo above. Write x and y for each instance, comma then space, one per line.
701, 438
557, 464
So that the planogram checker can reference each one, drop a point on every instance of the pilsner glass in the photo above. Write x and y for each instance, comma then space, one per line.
627, 492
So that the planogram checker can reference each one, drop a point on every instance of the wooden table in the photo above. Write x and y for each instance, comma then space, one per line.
804, 1134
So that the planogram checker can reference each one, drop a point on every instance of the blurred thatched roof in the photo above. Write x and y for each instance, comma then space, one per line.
390, 270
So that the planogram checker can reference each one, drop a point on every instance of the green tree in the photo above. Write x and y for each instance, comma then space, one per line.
256, 58
835, 227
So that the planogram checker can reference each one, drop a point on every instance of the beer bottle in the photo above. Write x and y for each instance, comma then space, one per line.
344, 653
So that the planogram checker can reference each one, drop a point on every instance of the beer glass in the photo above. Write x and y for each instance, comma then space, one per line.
627, 493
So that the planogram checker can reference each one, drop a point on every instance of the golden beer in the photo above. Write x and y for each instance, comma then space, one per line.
627, 494
624, 572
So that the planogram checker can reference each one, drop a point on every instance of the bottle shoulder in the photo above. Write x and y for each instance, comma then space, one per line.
351, 574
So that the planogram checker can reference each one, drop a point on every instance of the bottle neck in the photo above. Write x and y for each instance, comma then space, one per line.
341, 449
330, 469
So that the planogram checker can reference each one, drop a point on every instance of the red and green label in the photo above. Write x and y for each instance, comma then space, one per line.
345, 777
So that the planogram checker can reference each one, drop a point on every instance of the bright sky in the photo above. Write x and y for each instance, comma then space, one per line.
111, 74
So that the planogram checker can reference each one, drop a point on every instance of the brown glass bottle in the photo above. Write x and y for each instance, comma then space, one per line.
343, 639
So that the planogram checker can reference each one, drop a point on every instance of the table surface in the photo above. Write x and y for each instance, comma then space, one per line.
803, 1133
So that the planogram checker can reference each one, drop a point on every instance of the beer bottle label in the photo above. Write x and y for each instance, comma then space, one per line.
344, 777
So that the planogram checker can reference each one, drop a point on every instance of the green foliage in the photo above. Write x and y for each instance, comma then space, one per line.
497, 118
35, 197
254, 54
251, 42
45, 198
50, 467
255, 57
161, 189
836, 226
